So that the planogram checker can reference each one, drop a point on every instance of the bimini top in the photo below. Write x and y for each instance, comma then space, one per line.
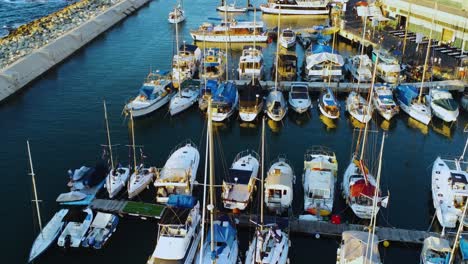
188, 47
211, 87
181, 201
406, 93
355, 246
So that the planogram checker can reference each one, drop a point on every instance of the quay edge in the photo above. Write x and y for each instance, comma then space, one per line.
17, 75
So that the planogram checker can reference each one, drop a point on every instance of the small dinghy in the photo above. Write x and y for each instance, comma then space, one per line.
102, 228
70, 197
185, 98
78, 224
328, 105
177, 15
383, 101
435, 251
299, 98
276, 106
279, 186
358, 107
443, 105
287, 38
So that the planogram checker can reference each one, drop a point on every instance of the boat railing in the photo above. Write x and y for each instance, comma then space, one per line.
246, 153
182, 144
318, 150
281, 158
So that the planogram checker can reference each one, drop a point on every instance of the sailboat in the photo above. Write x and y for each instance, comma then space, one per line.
443, 105
356, 248
221, 245
141, 177
270, 244
49, 233
383, 101
328, 104
250, 100
411, 103
299, 98
231, 8
276, 105
177, 15
207, 90
185, 98
358, 107
224, 101
279, 186
118, 176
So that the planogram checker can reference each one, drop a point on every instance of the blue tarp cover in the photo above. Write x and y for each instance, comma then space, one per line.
147, 91
211, 87
464, 248
406, 93
226, 93
223, 234
181, 201
319, 48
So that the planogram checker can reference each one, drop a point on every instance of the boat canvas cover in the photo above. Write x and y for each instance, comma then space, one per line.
147, 91
211, 87
448, 104
248, 94
355, 247
406, 93
243, 176
323, 57
101, 220
329, 98
464, 248
320, 48
320, 180
181, 201
96, 175
226, 93
389, 67
223, 234
361, 188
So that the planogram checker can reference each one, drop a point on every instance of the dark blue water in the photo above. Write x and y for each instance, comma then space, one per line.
61, 114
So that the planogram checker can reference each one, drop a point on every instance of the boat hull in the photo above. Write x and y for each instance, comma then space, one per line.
114, 184
444, 114
416, 112
183, 102
325, 113
232, 38
266, 9
138, 183
143, 111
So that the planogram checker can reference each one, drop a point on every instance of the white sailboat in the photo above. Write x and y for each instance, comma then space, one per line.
117, 177
299, 98
141, 177
383, 101
287, 38
358, 107
328, 104
76, 229
279, 186
179, 173
319, 178
443, 105
230, 8
185, 98
49, 233
239, 184
177, 15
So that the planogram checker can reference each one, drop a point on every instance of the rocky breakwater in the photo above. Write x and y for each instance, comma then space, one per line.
34, 48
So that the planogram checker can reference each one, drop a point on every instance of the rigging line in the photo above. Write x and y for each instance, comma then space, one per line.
432, 222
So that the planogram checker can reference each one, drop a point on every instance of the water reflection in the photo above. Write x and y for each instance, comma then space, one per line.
300, 119
355, 123
328, 122
274, 126
443, 128
413, 123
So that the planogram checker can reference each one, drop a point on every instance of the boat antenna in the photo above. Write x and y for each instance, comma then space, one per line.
36, 200
263, 174
464, 149
108, 135
226, 40
133, 141
277, 48
428, 51
212, 172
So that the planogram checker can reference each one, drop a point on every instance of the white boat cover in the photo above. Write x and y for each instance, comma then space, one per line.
355, 247
279, 179
436, 244
71, 197
389, 67
101, 220
322, 57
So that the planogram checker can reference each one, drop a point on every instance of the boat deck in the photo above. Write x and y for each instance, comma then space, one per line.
139, 209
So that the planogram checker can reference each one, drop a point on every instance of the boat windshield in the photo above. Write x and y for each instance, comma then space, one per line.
319, 194
288, 34
386, 99
300, 96
448, 104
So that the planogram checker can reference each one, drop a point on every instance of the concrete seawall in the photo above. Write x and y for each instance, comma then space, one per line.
17, 75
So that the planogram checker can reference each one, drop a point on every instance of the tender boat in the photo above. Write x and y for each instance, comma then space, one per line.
287, 66
323, 63
388, 67
48, 234
178, 231
155, 92
294, 7
449, 189
78, 224
116, 180
207, 90
276, 106
224, 101
356, 248
185, 98
214, 64
251, 63
279, 186
231, 31
250, 101
102, 228
360, 67
435, 251
383, 101
407, 97
185, 63
358, 107
239, 185
271, 245
231, 8
319, 178
299, 98
328, 105
287, 38
179, 173
177, 15
443, 105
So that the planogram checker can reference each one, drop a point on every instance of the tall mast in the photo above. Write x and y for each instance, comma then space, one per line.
254, 43
178, 55
277, 48
133, 141
108, 135
428, 51
36, 200
226, 42
263, 174
212, 198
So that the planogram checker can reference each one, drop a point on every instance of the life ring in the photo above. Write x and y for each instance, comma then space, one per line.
210, 59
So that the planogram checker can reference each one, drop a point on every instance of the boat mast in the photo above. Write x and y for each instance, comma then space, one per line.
36, 200
226, 42
263, 174
178, 55
277, 48
133, 141
254, 43
428, 51
108, 135
212, 196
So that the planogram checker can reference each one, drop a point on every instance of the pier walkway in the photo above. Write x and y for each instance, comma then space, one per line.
122, 207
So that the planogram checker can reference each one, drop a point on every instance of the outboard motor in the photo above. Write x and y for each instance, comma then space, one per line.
67, 243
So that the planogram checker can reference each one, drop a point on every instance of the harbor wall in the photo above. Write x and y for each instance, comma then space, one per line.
20, 73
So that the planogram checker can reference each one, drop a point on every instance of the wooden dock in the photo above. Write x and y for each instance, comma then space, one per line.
122, 207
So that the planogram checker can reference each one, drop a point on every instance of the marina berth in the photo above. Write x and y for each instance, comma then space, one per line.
443, 105
214, 64
231, 31
225, 101
435, 250
178, 231
328, 104
185, 63
359, 67
287, 38
383, 101
279, 186
102, 228
412, 104
185, 98
287, 66
179, 173
239, 184
323, 63
250, 101
295, 7
78, 223
299, 98
356, 248
251, 63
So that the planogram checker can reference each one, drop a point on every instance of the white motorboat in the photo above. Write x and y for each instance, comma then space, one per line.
358, 107
383, 101
225, 101
185, 63
449, 189
435, 250
48, 234
323, 63
360, 67
76, 229
239, 184
412, 104
296, 7
251, 63
279, 186
177, 15
139, 180
231, 31
443, 105
356, 248
231, 8
250, 101
388, 67
276, 105
270, 245
155, 93
179, 173
328, 104
102, 228
299, 98
185, 98
319, 178
178, 231
214, 64
287, 38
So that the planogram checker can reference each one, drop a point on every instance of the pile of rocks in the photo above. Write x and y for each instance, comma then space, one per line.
38, 33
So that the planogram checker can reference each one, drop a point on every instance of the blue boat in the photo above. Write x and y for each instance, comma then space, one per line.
102, 228
207, 89
224, 102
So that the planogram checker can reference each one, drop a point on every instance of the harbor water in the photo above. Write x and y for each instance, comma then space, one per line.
62, 116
